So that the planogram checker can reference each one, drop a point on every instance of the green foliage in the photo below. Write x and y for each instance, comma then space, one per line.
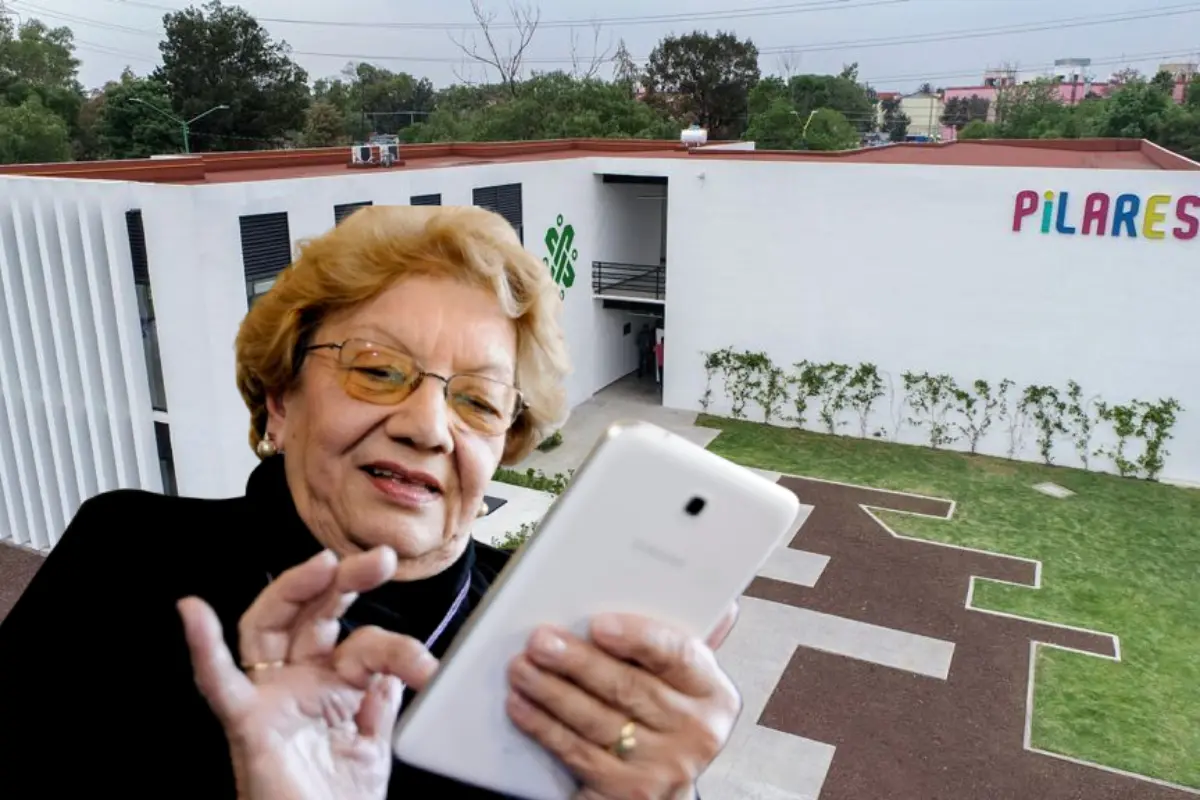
777, 127
1150, 422
979, 407
1046, 409
324, 126
704, 78
863, 389
895, 122
714, 362
127, 125
1154, 428
551, 442
828, 129
1124, 420
32, 133
834, 93
535, 479
1081, 414
946, 411
977, 129
513, 540
220, 55
932, 397
962, 111
549, 106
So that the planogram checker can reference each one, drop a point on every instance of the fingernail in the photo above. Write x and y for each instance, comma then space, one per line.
518, 704
607, 626
327, 556
548, 643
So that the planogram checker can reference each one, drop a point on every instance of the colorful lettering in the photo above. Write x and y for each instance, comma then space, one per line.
1027, 203
1060, 223
1189, 218
1155, 217
1125, 215
1095, 214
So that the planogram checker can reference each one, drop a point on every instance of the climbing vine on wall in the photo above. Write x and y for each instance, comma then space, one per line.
1042, 405
932, 397
980, 406
946, 411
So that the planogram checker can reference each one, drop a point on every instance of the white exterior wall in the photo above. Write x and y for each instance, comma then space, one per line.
917, 269
75, 415
911, 268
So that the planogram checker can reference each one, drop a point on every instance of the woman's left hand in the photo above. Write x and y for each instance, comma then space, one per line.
577, 699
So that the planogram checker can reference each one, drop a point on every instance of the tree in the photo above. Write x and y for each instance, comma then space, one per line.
548, 106
376, 100
32, 133
220, 55
830, 130
1031, 110
36, 60
625, 72
978, 129
1137, 110
703, 77
324, 126
509, 62
960, 111
777, 127
895, 122
835, 92
129, 127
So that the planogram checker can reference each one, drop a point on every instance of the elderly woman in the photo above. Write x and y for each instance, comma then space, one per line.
402, 357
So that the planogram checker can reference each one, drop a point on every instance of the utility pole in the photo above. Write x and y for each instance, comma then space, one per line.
184, 126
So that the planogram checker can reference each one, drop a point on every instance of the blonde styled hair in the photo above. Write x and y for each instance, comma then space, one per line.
365, 255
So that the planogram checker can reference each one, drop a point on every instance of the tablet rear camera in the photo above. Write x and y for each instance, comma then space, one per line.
695, 506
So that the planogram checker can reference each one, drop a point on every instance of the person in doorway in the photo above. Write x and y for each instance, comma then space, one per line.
263, 646
658, 358
645, 345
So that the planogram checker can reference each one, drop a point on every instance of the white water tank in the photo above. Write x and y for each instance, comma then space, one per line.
694, 136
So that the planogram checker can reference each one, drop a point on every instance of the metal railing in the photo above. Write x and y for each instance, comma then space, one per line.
639, 281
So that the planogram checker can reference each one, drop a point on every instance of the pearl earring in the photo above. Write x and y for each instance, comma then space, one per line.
266, 447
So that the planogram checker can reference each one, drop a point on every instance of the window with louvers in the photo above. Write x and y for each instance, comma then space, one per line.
505, 201
266, 250
426, 200
346, 209
137, 246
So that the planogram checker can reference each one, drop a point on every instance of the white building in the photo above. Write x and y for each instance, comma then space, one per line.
123, 283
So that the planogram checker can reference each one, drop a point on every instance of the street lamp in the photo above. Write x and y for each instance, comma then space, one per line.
184, 126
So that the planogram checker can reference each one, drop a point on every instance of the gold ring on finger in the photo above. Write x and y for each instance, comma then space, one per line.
624, 746
259, 666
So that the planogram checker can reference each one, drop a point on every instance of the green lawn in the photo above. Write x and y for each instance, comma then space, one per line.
1122, 557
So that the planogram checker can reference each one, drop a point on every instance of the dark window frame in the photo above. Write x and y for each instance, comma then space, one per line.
140, 260
343, 210
266, 241
425, 200
507, 200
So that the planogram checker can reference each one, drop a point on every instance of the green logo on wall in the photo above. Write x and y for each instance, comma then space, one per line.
560, 241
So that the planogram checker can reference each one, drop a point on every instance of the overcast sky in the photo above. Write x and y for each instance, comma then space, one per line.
813, 35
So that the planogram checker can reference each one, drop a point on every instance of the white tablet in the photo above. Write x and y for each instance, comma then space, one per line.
651, 524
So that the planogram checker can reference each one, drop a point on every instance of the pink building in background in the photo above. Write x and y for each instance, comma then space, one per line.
1072, 91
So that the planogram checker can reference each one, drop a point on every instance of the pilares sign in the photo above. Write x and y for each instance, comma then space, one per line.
1157, 217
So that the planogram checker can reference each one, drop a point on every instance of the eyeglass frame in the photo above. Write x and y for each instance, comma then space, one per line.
421, 375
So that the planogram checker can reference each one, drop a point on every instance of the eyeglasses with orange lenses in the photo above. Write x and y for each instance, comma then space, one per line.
384, 376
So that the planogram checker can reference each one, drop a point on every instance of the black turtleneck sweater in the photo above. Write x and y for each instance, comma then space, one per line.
96, 689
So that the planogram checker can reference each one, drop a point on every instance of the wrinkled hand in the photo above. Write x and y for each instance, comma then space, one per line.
313, 719
575, 697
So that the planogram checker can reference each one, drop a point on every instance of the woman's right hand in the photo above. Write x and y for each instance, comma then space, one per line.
308, 718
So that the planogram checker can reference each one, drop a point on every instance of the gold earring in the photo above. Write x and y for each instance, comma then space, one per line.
266, 448
483, 510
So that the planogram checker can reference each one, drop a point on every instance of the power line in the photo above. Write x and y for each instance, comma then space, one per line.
935, 36
980, 33
785, 9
